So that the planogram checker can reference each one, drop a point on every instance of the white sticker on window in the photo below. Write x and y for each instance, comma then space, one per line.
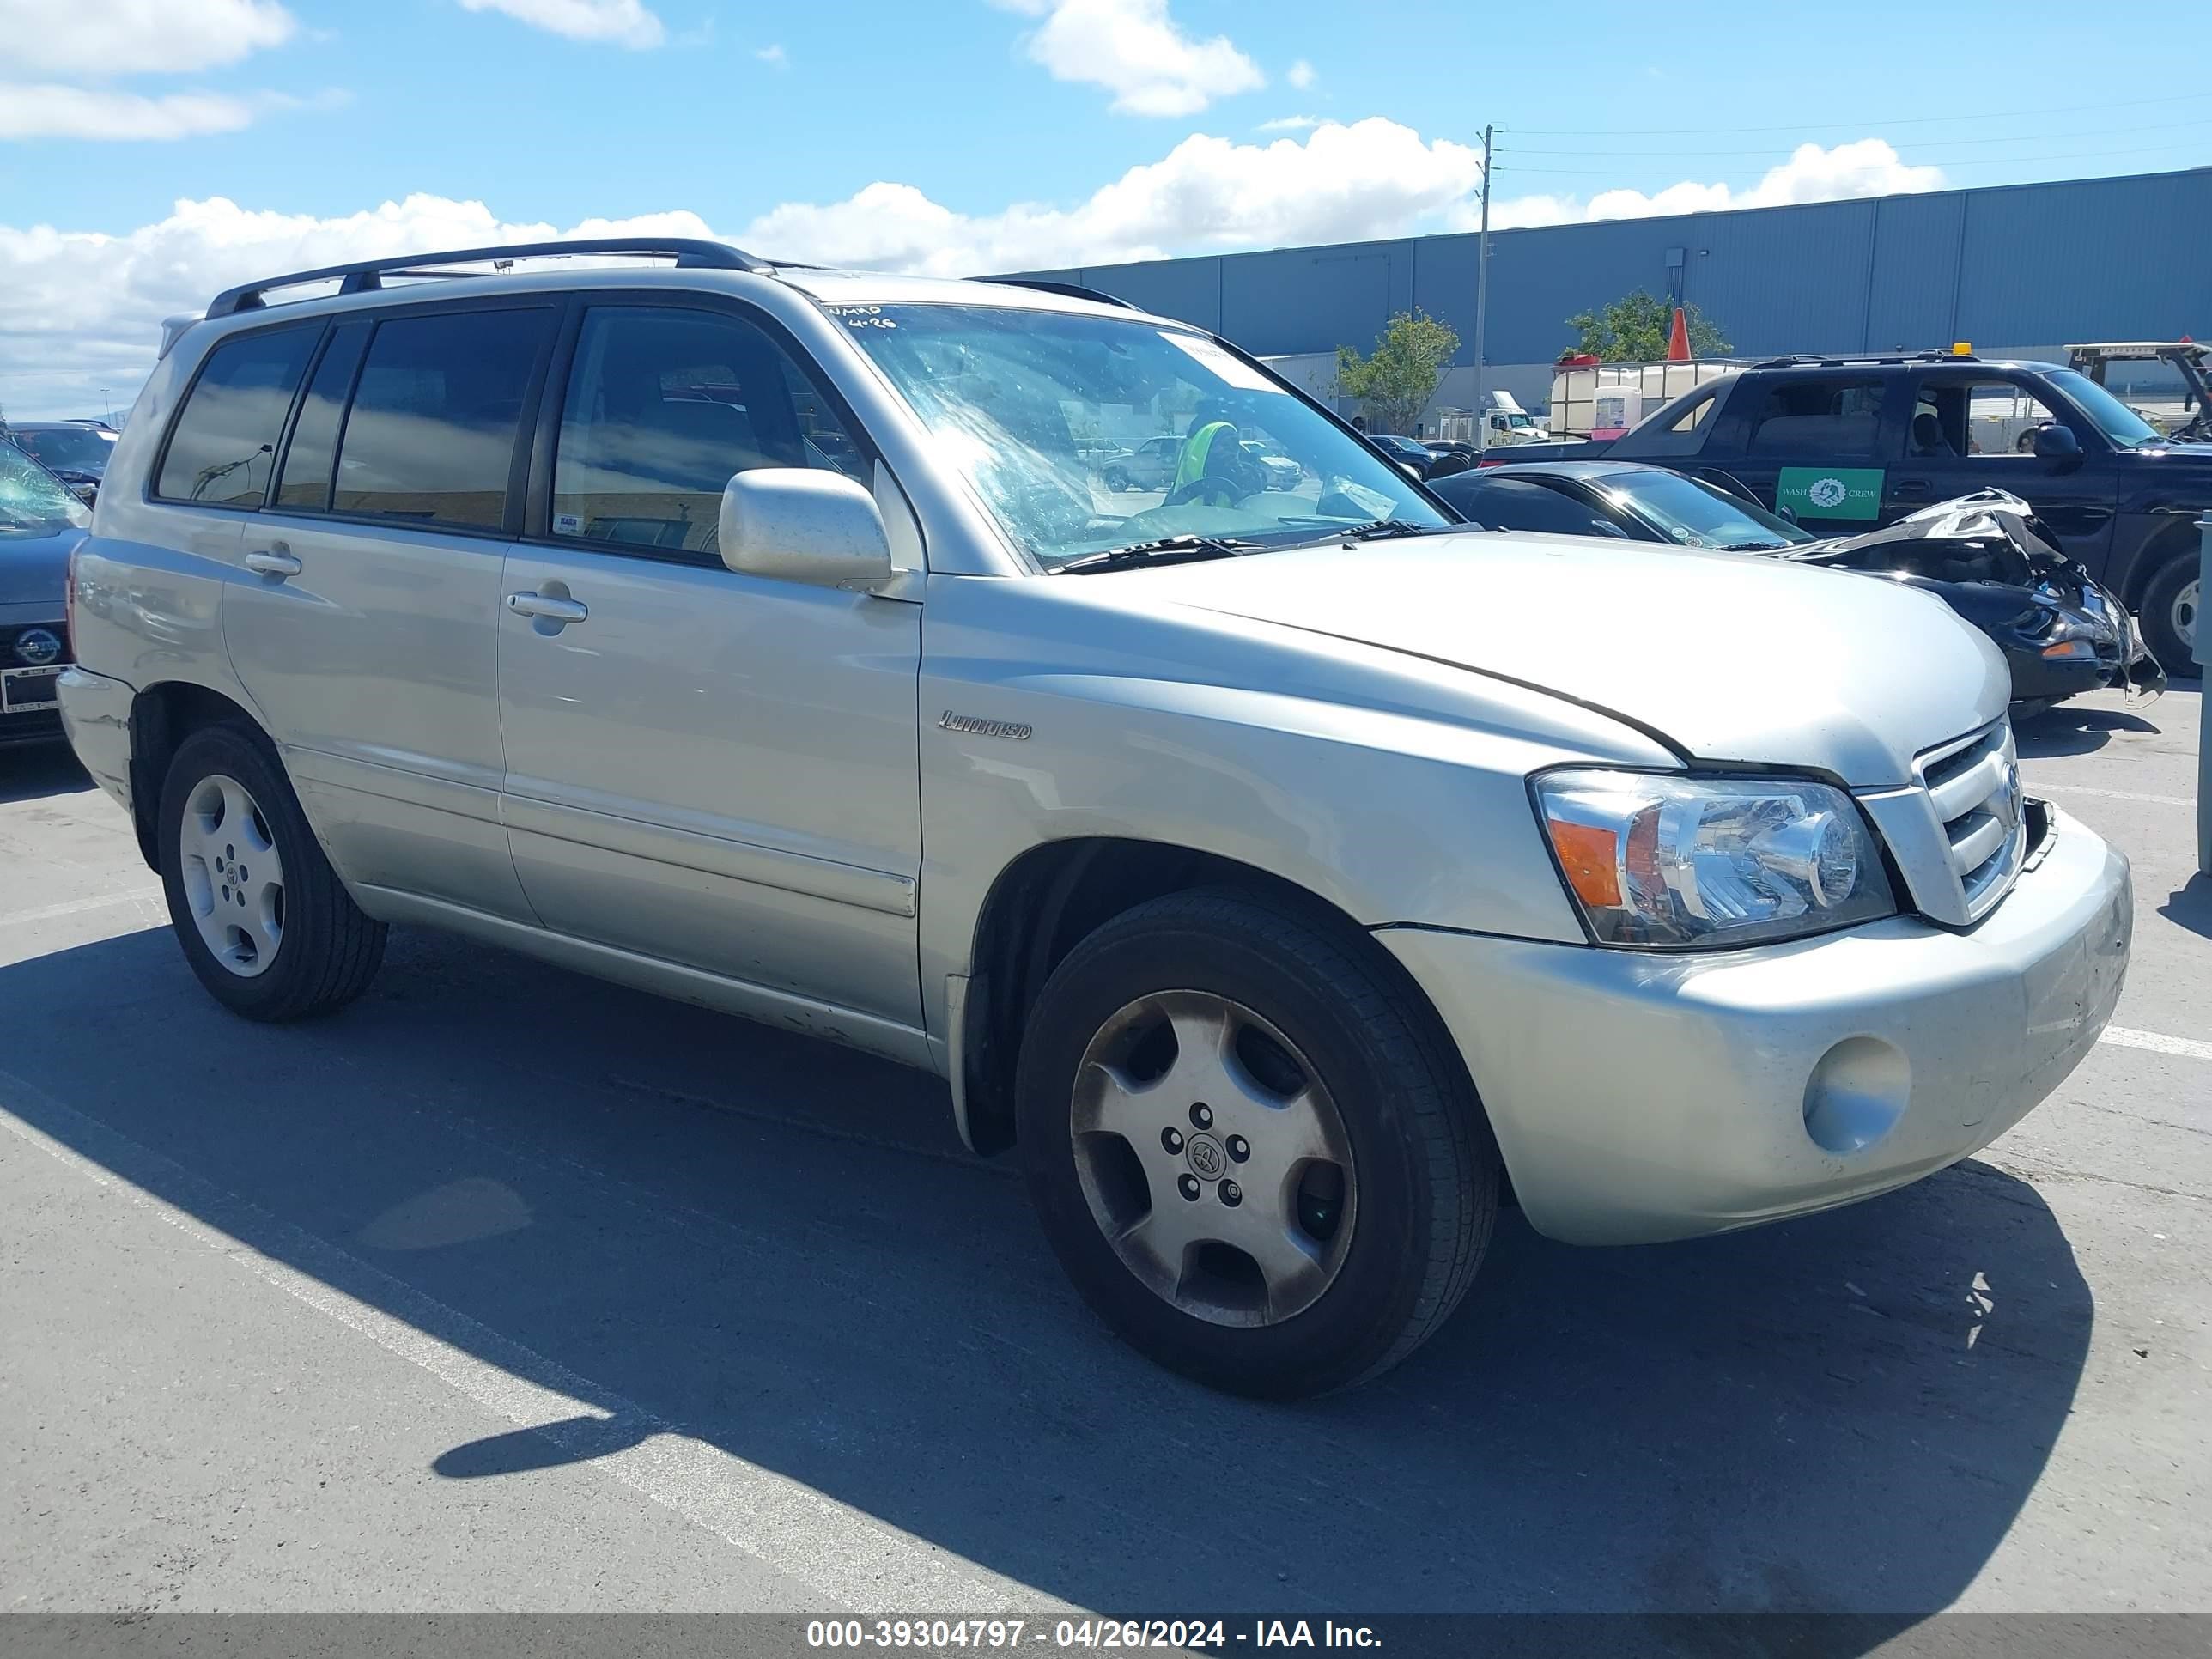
1233, 370
568, 524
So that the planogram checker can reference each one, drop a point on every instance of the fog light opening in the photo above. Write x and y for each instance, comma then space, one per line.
1856, 1094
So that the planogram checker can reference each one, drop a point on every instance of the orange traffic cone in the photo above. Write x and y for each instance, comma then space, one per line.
1678, 338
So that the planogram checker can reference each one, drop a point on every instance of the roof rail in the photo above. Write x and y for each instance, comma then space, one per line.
1841, 359
367, 275
1066, 290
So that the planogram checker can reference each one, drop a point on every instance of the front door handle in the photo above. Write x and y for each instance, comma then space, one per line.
1909, 489
277, 560
547, 608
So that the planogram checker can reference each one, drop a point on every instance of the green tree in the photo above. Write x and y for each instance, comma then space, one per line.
1634, 329
1396, 381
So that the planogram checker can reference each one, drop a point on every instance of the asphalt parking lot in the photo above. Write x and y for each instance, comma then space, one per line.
506, 1289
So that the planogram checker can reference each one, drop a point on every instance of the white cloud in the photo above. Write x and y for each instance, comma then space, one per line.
54, 111
774, 54
1373, 178
1302, 74
1289, 123
625, 22
79, 310
1136, 50
137, 37
1866, 166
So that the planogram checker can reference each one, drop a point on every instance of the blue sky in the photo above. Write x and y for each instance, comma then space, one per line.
968, 134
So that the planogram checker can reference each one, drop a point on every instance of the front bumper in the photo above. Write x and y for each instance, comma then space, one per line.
1639, 1098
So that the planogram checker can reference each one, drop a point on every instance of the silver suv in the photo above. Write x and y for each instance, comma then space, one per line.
1286, 875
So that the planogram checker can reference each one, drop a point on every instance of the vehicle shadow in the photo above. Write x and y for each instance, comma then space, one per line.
778, 1248
32, 770
2072, 729
2191, 906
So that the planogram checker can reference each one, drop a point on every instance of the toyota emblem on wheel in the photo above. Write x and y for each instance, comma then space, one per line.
1206, 1158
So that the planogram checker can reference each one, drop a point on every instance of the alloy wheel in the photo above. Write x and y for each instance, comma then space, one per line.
233, 881
1213, 1159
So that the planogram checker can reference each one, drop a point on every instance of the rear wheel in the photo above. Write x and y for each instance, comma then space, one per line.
261, 916
1246, 1149
2169, 617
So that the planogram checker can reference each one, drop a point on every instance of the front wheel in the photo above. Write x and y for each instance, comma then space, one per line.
1117, 478
1246, 1148
2172, 605
263, 919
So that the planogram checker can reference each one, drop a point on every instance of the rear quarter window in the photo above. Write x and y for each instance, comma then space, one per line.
224, 443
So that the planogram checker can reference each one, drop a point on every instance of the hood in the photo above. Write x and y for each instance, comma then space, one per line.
1729, 658
34, 569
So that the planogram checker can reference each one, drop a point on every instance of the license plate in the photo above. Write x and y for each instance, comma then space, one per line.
23, 689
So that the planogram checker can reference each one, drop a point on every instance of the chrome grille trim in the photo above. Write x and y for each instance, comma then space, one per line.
1973, 788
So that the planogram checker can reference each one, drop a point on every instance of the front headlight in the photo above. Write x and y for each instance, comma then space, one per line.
1661, 862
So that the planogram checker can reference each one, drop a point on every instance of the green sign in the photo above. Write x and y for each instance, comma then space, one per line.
1830, 492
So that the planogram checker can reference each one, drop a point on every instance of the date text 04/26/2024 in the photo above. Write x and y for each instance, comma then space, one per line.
1067, 1635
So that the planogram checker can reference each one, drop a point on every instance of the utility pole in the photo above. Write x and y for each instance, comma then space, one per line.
1482, 297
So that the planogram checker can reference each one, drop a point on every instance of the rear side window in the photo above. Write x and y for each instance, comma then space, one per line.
311, 458
1825, 418
1684, 430
431, 436
224, 444
664, 404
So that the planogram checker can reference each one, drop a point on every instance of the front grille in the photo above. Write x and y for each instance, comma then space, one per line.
1973, 784
11, 635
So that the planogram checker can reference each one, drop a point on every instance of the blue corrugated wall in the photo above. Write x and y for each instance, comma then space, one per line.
2096, 258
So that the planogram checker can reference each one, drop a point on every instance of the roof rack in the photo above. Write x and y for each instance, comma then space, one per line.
1826, 360
367, 275
1066, 290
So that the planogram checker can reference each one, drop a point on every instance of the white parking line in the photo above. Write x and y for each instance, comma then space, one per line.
76, 907
2110, 794
831, 1548
2121, 1037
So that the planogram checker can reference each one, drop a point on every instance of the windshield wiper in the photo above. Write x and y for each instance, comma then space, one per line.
1168, 550
1377, 530
1752, 547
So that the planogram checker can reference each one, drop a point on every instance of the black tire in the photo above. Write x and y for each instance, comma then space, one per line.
1427, 1172
1117, 478
328, 951
2158, 619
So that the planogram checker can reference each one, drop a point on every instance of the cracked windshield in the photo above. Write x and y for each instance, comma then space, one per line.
1086, 435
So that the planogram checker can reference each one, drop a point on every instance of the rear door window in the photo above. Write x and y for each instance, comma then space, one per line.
430, 437
1827, 419
223, 446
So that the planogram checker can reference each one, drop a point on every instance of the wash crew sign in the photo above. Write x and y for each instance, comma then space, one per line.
1830, 492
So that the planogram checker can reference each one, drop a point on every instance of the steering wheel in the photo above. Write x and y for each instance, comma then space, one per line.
1223, 490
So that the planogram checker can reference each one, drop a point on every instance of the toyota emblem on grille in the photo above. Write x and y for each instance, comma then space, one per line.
38, 646
2006, 807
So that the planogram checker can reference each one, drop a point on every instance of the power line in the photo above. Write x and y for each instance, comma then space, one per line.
1858, 121
1979, 161
1918, 144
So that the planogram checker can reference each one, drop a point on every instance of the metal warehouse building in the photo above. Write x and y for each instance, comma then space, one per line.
2018, 270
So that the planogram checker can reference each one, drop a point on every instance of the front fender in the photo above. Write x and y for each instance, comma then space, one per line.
1392, 787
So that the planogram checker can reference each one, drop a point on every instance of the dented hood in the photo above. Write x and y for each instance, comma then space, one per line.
1727, 657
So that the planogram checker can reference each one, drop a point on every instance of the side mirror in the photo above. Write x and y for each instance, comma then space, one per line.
2058, 445
797, 524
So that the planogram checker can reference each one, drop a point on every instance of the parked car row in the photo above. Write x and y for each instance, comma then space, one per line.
1843, 444
1296, 882
1986, 555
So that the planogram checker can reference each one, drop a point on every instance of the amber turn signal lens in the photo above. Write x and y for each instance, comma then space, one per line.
1591, 857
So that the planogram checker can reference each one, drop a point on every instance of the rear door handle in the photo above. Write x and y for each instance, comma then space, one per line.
277, 560
544, 606
1909, 489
